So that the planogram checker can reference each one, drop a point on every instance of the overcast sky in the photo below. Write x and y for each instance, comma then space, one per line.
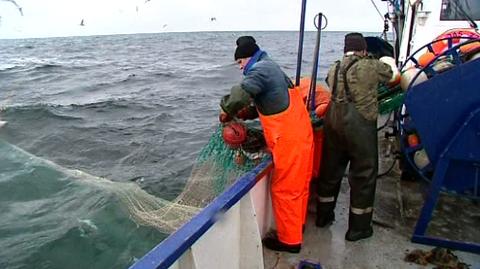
46, 18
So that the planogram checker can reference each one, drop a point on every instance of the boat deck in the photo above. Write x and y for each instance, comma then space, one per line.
397, 206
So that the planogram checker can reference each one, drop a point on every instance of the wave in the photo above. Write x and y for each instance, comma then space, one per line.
35, 64
54, 209
36, 67
37, 111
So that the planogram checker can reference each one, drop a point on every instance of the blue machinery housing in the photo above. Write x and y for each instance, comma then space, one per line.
446, 113
169, 250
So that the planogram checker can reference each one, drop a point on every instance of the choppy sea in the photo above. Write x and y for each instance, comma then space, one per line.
124, 107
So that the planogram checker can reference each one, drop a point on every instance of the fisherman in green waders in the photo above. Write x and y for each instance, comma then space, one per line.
351, 137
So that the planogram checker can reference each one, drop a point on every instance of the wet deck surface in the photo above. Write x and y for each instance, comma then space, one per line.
454, 218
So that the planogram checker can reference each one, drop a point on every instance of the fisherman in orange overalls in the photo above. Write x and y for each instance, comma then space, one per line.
288, 133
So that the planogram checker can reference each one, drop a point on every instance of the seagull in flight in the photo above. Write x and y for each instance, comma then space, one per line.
82, 23
15, 3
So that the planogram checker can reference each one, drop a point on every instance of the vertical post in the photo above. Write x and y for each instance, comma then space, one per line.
313, 83
300, 42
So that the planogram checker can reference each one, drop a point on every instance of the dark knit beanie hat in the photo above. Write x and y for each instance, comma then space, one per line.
246, 47
354, 42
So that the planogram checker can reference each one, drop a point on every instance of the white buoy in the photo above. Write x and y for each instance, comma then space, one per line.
396, 74
420, 158
409, 74
475, 56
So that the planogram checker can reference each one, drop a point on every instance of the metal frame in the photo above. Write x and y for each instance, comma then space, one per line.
462, 145
451, 152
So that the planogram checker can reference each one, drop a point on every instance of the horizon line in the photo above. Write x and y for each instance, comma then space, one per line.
177, 32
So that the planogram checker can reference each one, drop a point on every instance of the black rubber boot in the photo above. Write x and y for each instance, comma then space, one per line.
354, 235
275, 244
325, 214
324, 219
359, 226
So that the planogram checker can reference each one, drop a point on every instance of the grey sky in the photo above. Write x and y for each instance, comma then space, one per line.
44, 18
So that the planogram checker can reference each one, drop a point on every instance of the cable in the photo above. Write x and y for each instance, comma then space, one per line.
386, 121
379, 13
389, 169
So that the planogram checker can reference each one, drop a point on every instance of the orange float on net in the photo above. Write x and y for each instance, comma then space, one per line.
234, 134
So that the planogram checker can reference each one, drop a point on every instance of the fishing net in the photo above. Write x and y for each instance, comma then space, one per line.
216, 167
389, 99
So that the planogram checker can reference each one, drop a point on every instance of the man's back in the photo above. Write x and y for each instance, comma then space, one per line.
363, 77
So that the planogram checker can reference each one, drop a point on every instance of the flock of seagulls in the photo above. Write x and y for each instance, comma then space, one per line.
82, 22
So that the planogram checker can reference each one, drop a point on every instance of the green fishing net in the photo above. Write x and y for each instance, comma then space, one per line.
218, 165
389, 99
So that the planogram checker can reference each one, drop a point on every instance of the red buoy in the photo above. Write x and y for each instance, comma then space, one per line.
234, 134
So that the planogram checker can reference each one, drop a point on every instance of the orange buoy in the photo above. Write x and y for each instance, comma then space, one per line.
426, 58
413, 140
234, 134
470, 47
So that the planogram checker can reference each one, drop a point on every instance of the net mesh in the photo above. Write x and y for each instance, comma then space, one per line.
216, 167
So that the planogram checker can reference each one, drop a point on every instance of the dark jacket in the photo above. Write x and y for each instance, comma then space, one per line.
266, 83
363, 77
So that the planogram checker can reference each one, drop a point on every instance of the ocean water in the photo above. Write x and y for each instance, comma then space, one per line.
128, 108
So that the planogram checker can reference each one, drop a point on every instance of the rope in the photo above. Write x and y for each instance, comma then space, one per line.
378, 11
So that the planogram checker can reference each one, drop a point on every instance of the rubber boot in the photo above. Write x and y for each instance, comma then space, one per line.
325, 214
359, 226
275, 244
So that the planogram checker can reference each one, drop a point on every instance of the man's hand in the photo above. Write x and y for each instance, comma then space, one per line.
224, 117
247, 113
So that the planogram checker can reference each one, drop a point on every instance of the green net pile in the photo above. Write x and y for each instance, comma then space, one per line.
389, 99
224, 161
218, 166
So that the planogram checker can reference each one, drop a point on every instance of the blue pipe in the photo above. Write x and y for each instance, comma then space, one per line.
300, 42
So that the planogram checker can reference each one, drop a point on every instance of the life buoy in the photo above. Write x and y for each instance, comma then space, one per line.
458, 35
